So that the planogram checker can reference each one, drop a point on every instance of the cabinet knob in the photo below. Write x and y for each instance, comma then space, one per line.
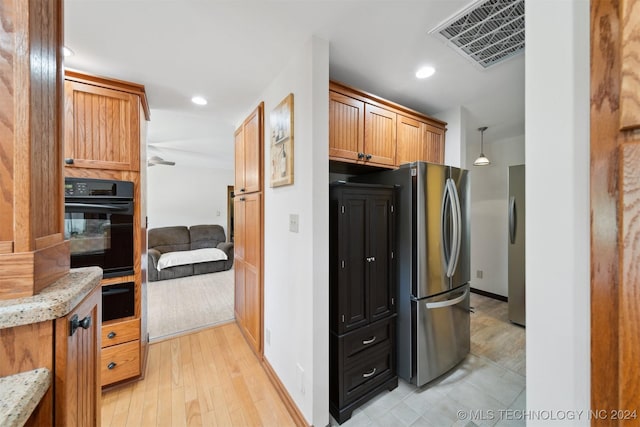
68, 161
111, 365
111, 335
242, 190
361, 155
74, 324
368, 157
242, 199
371, 259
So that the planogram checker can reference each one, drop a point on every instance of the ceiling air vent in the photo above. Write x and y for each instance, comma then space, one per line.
487, 32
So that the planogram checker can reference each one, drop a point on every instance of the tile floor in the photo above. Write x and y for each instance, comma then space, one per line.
486, 389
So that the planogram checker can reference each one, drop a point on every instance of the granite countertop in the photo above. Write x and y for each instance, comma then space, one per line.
20, 394
54, 301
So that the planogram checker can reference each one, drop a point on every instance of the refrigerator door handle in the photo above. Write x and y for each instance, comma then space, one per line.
447, 303
457, 224
512, 219
445, 243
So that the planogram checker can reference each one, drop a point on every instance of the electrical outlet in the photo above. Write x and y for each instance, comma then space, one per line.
267, 336
479, 274
294, 221
300, 373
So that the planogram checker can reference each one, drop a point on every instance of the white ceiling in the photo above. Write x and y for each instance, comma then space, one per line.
230, 50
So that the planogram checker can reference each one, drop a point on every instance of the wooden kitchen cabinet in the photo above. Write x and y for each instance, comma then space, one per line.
379, 135
248, 153
346, 130
102, 127
77, 352
248, 267
418, 141
368, 130
361, 295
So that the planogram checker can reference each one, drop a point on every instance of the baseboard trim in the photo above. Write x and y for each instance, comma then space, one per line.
489, 294
292, 408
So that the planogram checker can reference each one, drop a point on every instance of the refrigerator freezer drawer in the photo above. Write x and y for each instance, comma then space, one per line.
442, 339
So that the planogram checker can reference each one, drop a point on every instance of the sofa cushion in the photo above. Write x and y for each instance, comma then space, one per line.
170, 239
171, 259
206, 236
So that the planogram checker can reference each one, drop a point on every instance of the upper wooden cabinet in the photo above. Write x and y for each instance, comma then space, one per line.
346, 130
418, 141
368, 130
248, 152
102, 122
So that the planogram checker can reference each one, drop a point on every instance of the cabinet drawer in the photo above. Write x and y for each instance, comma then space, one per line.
120, 362
366, 337
369, 369
121, 332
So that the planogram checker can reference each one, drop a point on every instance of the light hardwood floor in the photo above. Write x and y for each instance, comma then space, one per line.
208, 378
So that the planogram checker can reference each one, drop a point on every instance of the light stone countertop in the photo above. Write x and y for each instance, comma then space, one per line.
20, 394
54, 301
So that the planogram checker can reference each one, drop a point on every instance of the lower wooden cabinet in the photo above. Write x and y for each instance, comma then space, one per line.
77, 391
120, 357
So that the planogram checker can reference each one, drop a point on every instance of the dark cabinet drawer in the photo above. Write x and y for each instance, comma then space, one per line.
367, 370
366, 337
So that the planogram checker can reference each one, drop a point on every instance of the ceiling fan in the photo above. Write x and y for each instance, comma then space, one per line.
157, 160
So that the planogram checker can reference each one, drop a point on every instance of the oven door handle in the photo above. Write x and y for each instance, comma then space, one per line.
114, 208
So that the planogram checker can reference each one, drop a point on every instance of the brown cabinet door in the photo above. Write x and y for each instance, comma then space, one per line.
248, 267
253, 268
433, 138
379, 135
410, 146
346, 127
102, 128
77, 380
253, 152
248, 154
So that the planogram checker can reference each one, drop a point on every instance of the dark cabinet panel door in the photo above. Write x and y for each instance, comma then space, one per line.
353, 251
379, 258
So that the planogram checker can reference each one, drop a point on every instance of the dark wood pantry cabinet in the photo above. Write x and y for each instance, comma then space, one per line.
362, 307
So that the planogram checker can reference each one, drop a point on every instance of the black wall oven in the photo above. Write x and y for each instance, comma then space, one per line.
98, 223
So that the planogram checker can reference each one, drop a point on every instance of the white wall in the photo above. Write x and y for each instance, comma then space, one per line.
489, 199
557, 152
296, 278
187, 195
455, 146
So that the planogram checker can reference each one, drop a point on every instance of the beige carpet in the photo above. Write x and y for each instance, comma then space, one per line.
189, 303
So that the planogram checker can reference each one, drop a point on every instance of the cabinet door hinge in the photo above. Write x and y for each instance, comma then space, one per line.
342, 208
393, 301
392, 208
343, 318
392, 254
342, 263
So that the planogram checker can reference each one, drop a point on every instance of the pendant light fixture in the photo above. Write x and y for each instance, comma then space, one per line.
482, 159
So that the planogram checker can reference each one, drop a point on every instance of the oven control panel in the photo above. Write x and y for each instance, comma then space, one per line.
85, 187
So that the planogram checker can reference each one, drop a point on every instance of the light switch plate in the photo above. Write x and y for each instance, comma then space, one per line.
293, 223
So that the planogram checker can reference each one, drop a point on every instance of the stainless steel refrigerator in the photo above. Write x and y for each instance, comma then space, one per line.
432, 267
516, 243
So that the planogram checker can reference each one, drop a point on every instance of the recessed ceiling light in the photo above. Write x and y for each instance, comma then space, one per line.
66, 51
425, 72
199, 100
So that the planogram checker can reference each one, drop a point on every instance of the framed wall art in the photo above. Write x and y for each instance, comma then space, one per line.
281, 121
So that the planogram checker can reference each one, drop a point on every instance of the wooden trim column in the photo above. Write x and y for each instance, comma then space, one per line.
615, 209
33, 252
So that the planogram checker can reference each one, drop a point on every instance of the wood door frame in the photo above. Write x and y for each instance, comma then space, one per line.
615, 156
